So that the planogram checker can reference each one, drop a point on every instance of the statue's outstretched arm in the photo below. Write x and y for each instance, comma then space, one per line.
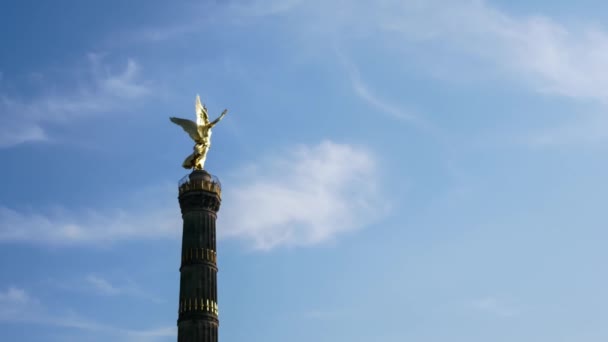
202, 118
212, 123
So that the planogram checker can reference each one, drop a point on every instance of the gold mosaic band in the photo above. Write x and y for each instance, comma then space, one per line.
202, 254
198, 305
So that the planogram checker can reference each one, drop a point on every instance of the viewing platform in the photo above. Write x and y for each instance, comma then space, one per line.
200, 180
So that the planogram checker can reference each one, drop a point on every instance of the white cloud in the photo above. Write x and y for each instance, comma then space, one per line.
25, 119
308, 196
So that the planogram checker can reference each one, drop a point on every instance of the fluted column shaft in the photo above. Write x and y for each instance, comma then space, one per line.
199, 201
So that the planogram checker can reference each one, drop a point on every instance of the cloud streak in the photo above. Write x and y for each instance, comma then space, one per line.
468, 41
363, 91
466, 38
549, 56
26, 120
102, 286
152, 220
586, 130
17, 306
14, 295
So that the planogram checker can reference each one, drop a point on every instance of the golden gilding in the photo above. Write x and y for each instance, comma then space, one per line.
200, 132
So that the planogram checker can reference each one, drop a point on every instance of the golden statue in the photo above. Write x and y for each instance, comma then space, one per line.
200, 132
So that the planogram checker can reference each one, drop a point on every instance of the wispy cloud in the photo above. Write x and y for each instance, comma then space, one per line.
467, 38
124, 84
21, 134
17, 306
161, 34
14, 295
548, 56
310, 195
580, 131
155, 334
363, 91
263, 8
14, 301
100, 90
472, 41
103, 286
152, 220
203, 16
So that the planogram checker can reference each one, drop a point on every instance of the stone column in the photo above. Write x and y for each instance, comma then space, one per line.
199, 200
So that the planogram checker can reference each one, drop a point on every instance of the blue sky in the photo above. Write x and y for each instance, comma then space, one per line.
392, 170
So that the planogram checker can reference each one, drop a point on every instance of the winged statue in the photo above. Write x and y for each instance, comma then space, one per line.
200, 132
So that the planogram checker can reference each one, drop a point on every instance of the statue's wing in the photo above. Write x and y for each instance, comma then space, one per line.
202, 118
188, 126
